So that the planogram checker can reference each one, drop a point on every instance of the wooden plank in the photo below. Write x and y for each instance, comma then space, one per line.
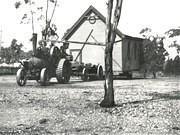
83, 45
78, 42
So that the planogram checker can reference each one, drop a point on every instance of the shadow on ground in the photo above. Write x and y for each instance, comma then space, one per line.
155, 96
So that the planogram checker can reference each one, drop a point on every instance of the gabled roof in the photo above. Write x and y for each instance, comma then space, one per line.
83, 18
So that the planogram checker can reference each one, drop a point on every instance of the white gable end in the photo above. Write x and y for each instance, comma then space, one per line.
93, 53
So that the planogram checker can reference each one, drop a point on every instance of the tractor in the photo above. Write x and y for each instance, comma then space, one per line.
46, 62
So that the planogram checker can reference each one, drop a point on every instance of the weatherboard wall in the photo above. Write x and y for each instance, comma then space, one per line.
132, 57
94, 53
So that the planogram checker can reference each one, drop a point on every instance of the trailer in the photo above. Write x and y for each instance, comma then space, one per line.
86, 71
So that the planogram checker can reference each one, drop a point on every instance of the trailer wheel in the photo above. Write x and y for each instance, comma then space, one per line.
99, 72
21, 77
44, 77
63, 71
129, 75
84, 75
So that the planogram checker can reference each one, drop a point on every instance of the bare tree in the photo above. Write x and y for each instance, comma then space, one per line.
108, 100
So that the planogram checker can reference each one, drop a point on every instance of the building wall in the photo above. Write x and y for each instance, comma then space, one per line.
132, 54
93, 53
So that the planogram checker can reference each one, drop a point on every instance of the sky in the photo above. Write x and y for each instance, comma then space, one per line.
159, 15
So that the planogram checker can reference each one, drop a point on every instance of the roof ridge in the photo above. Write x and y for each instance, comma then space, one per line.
81, 20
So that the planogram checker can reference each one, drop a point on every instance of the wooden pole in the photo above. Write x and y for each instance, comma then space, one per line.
83, 45
53, 10
47, 23
78, 42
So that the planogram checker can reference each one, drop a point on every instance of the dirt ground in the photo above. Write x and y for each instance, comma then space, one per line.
143, 107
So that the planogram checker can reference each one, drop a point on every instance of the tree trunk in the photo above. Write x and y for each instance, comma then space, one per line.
108, 100
108, 85
154, 75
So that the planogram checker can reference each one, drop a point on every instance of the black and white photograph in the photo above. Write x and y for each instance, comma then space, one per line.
89, 67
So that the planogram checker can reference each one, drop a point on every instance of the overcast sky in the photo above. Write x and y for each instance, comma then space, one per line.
160, 15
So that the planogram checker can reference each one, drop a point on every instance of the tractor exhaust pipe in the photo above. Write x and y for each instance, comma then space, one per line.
34, 43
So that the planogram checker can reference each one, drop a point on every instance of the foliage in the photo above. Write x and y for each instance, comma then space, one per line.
176, 65
172, 33
154, 52
15, 50
145, 31
17, 4
6, 55
37, 13
35, 8
176, 45
172, 67
28, 15
13, 53
168, 67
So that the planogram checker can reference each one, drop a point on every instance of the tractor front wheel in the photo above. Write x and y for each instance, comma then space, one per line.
21, 77
44, 77
63, 71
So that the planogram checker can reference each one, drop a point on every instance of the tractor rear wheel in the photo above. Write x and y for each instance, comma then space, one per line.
84, 75
99, 72
44, 77
21, 77
63, 71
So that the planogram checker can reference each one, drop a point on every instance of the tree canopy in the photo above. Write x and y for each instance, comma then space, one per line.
173, 33
154, 52
38, 11
13, 53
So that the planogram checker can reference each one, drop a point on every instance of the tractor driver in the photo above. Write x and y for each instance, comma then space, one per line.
42, 50
63, 51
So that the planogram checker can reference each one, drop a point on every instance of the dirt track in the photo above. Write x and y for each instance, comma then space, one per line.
144, 106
